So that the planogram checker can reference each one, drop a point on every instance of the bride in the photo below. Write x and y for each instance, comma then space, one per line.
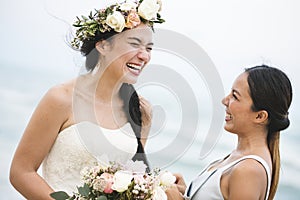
98, 116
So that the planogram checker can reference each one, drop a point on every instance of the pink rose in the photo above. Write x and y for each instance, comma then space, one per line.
108, 178
132, 20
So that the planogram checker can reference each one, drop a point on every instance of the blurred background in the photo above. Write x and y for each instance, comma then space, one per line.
235, 34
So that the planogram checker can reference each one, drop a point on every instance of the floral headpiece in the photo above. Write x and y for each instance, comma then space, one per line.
116, 17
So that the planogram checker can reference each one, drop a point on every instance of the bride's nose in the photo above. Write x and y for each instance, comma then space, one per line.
144, 55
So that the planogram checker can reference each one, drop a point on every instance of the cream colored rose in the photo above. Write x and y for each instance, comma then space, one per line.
121, 181
148, 9
116, 21
167, 179
128, 5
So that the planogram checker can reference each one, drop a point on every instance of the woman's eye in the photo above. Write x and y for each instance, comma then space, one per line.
149, 48
134, 44
234, 96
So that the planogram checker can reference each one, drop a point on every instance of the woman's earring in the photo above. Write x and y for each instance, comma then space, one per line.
96, 69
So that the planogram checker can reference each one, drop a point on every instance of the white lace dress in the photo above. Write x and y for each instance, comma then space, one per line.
82, 145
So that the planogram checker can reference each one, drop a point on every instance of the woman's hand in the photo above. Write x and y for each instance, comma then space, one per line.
146, 111
177, 192
180, 183
173, 193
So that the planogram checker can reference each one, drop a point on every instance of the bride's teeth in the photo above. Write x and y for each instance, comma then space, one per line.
133, 66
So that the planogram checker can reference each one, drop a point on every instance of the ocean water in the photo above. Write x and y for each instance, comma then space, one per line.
21, 88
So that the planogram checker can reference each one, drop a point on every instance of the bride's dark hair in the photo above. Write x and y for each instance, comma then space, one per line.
127, 92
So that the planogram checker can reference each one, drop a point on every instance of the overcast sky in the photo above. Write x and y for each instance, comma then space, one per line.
234, 33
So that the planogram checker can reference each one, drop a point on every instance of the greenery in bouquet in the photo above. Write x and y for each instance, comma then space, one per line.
120, 182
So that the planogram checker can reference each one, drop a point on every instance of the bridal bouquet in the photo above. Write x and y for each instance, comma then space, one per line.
121, 182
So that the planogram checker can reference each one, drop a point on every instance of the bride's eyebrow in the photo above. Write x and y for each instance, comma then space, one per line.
139, 40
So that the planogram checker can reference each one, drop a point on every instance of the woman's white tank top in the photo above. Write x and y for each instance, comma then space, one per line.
207, 184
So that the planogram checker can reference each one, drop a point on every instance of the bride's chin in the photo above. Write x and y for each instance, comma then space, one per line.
130, 80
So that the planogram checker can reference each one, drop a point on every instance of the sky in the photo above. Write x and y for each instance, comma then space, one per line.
235, 34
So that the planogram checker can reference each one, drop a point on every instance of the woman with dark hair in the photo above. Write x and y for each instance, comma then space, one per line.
256, 111
98, 116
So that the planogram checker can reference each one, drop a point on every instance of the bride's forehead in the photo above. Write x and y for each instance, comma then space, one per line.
143, 33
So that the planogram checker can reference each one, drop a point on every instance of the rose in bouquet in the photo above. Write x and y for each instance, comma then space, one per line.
123, 182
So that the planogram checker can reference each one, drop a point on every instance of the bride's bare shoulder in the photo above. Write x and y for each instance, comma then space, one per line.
61, 94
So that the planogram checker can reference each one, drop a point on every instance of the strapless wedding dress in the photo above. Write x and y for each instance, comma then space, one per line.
82, 145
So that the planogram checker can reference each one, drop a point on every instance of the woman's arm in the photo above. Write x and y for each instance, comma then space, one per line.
146, 110
247, 180
36, 142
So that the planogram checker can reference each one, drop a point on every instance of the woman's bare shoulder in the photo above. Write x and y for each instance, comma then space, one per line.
249, 167
61, 93
247, 179
58, 98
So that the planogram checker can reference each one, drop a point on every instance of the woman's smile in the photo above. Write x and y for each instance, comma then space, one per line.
134, 68
228, 116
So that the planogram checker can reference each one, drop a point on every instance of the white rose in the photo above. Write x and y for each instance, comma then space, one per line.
159, 194
128, 5
135, 166
116, 21
121, 181
167, 179
148, 9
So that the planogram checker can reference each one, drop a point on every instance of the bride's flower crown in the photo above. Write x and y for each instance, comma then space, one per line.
117, 17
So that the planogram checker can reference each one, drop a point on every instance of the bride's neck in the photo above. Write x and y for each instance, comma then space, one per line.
107, 90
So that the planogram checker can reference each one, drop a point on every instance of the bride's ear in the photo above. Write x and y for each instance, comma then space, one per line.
103, 47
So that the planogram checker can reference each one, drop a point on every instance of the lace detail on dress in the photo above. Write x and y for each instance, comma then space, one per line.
70, 154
